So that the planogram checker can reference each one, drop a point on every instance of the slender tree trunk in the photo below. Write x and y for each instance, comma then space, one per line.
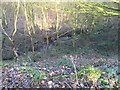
15, 28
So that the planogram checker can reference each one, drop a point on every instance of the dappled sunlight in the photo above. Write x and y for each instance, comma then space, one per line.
60, 45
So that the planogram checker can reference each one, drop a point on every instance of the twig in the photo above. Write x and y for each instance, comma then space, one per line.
68, 84
72, 59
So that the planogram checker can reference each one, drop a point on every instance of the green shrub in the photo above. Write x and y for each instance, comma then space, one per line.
91, 73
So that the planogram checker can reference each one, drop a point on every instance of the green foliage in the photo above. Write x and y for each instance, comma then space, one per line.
4, 65
118, 80
91, 73
36, 74
62, 76
104, 81
65, 62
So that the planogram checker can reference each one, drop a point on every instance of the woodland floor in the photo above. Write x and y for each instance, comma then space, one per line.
59, 72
